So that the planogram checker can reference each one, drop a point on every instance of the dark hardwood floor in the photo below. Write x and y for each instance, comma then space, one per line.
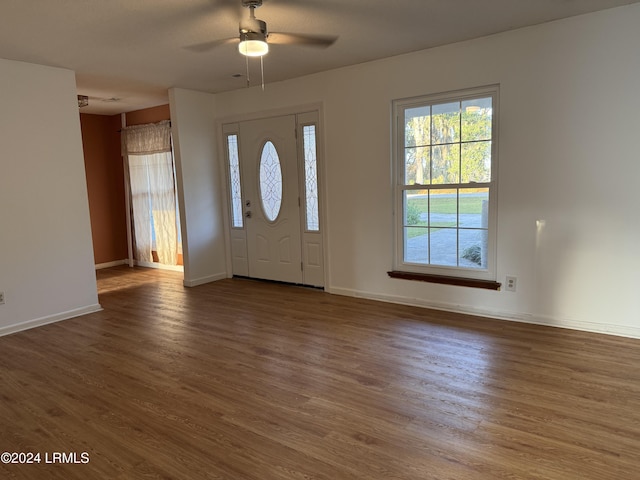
247, 380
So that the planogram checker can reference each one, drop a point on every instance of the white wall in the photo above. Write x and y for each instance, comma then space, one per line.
568, 221
46, 255
199, 186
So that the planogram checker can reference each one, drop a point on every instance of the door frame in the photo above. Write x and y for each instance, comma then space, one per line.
223, 130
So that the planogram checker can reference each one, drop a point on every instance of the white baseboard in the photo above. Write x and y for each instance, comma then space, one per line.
117, 263
572, 324
160, 266
201, 281
608, 329
38, 322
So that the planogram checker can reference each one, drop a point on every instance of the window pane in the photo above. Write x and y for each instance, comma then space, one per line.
476, 119
416, 208
476, 162
445, 123
443, 206
311, 177
443, 246
234, 177
474, 207
417, 165
416, 245
473, 248
270, 181
445, 164
417, 126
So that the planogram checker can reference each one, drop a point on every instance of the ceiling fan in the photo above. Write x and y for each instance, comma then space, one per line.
254, 38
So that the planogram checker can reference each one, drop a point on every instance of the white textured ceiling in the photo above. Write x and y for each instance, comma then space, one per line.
127, 53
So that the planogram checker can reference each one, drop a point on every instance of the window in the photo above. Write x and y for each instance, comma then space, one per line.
152, 187
234, 179
270, 181
310, 178
445, 183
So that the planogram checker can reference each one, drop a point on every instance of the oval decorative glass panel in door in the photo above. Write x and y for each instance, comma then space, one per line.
270, 181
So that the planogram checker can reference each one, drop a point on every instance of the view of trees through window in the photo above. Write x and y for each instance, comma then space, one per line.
446, 182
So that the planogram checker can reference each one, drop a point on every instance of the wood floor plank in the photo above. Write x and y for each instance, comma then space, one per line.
249, 380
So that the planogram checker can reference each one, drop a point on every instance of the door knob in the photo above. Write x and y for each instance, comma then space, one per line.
247, 203
247, 214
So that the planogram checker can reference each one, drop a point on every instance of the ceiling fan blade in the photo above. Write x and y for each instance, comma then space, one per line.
206, 46
322, 41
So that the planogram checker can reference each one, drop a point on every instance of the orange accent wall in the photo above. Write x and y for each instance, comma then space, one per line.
105, 186
148, 115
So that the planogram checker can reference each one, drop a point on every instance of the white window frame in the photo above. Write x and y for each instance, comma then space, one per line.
306, 217
399, 187
236, 212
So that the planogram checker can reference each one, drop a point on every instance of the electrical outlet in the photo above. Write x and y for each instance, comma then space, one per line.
510, 284
1, 298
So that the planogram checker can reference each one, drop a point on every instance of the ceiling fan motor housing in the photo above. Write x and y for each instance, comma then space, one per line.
253, 25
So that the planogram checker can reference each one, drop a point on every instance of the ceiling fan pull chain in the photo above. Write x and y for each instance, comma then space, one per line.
247, 64
262, 72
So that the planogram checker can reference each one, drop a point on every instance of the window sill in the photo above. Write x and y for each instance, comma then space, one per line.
458, 281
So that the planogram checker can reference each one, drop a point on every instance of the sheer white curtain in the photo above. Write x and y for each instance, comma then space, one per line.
147, 149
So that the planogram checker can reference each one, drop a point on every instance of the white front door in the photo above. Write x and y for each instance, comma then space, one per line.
269, 164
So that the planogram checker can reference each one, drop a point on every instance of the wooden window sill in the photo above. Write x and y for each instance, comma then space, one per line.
461, 282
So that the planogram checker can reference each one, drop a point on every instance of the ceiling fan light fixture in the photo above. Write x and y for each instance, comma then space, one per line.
253, 44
